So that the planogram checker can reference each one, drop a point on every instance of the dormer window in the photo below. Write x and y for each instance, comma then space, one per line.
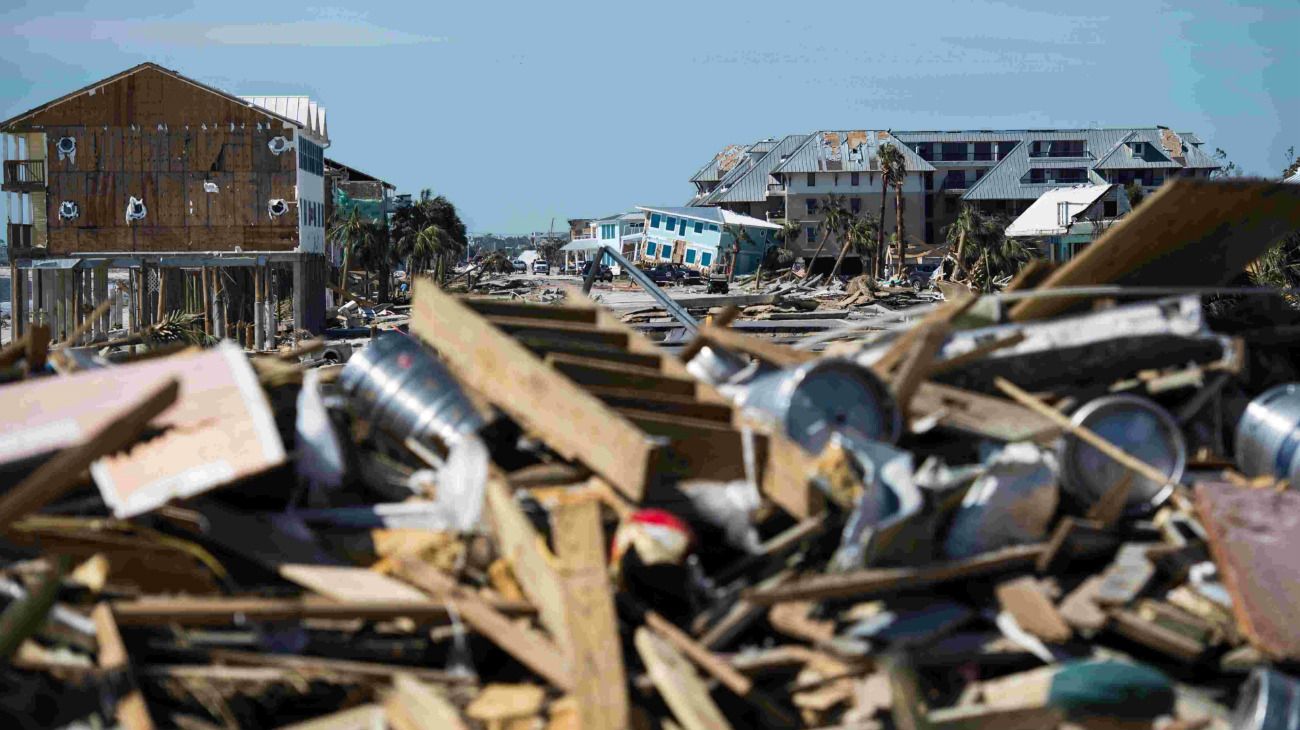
1139, 149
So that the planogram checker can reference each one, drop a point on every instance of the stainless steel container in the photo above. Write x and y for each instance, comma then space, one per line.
822, 397
1139, 427
1268, 434
1269, 700
405, 390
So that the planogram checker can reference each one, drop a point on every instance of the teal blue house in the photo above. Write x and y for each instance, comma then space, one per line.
700, 238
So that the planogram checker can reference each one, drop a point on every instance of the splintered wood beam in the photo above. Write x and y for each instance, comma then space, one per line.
414, 705
217, 611
59, 474
681, 688
865, 584
573, 422
131, 709
730, 339
529, 647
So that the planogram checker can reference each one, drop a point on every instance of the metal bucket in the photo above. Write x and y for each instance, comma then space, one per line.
822, 397
1139, 427
1269, 701
405, 390
1268, 434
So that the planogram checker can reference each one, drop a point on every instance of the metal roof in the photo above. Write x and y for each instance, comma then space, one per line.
983, 135
749, 184
1003, 180
721, 163
710, 215
847, 151
1042, 218
301, 109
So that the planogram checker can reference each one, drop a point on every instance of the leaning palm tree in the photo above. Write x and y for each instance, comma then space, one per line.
961, 229
860, 236
993, 254
890, 162
834, 219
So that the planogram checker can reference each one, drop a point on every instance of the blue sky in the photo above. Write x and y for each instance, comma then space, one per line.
523, 112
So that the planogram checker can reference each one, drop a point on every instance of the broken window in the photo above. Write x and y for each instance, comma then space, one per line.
135, 210
277, 207
278, 145
66, 148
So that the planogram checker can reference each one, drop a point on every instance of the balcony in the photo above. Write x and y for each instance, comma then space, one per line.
24, 176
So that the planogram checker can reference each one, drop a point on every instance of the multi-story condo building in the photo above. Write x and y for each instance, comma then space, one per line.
1001, 172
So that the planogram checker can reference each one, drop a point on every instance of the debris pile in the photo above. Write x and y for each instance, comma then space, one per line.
1063, 506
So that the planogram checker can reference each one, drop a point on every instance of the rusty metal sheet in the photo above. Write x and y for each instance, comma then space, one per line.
1254, 536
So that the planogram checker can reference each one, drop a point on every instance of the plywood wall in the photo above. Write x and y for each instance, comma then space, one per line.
159, 139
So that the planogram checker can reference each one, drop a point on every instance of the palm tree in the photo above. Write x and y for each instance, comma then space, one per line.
892, 172
428, 249
995, 256
961, 229
834, 219
359, 238
859, 234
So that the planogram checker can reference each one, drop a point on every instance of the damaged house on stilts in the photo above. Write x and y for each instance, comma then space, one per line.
163, 195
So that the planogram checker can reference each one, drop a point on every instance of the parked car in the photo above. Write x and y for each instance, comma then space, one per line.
519, 266
920, 275
602, 274
541, 267
664, 274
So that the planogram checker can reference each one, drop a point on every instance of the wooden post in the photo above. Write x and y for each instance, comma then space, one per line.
207, 302
259, 334
162, 294
16, 301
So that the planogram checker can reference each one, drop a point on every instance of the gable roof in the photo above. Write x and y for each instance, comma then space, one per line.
721, 163
709, 214
1042, 217
176, 75
847, 151
748, 182
1103, 149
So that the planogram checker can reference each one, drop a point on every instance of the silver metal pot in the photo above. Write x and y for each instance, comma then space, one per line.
1268, 434
398, 384
822, 397
1269, 701
1138, 426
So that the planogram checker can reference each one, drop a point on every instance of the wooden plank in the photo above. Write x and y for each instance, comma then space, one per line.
779, 355
1254, 542
522, 310
587, 372
312, 666
529, 647
982, 415
571, 421
350, 584
865, 584
131, 709
592, 637
218, 611
1080, 609
787, 479
1188, 233
1156, 637
650, 400
678, 684
593, 351
916, 365
61, 473
413, 704
1024, 599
